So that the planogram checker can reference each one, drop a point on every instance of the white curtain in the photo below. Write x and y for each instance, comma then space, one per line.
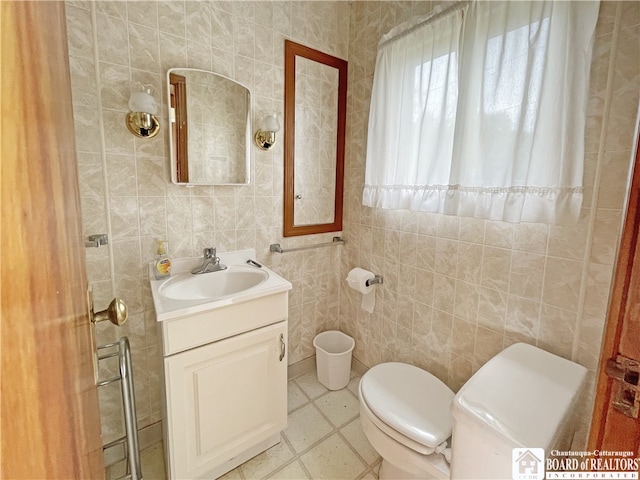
479, 110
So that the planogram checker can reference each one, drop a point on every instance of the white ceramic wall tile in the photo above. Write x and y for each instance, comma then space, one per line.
83, 81
79, 31
492, 308
562, 283
144, 13
531, 237
87, 123
113, 39
469, 267
527, 270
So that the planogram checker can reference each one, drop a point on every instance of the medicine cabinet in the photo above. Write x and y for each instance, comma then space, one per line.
315, 106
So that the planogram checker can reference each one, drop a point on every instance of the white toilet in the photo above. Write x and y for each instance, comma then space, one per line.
524, 397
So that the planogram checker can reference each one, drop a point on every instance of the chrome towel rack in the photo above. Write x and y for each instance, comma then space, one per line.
275, 247
125, 377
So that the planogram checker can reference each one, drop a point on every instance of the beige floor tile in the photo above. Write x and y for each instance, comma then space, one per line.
232, 475
333, 459
310, 385
339, 406
152, 463
353, 385
293, 471
306, 427
262, 465
295, 396
356, 438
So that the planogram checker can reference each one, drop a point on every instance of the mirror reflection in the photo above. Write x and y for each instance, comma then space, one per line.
210, 128
315, 159
315, 115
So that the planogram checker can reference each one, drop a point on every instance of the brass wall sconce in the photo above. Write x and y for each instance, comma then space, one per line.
141, 120
266, 137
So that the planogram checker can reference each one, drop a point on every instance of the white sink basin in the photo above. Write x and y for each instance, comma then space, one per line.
186, 294
212, 285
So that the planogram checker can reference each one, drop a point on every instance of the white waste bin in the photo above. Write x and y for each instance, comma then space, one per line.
333, 358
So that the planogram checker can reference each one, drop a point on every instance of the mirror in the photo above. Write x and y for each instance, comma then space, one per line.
315, 109
210, 128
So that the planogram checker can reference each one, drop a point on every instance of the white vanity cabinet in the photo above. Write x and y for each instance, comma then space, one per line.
225, 379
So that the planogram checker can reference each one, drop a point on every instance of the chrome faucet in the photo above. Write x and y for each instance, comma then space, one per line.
210, 263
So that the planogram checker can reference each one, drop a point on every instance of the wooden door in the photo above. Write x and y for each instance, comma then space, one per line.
611, 429
50, 425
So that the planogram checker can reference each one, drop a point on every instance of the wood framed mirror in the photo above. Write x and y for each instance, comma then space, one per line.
315, 113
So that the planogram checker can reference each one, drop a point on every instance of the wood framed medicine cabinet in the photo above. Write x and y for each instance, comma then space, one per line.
315, 112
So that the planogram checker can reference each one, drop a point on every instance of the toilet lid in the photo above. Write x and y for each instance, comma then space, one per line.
410, 400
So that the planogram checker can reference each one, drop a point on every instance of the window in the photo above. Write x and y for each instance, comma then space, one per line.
479, 110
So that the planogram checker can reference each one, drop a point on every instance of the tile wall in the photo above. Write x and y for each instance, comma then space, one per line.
458, 290
124, 181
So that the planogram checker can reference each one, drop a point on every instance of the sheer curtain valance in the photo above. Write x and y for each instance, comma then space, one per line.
479, 110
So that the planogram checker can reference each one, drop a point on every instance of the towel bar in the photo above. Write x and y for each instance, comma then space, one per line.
275, 247
129, 406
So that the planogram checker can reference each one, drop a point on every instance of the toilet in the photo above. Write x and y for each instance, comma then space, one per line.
524, 397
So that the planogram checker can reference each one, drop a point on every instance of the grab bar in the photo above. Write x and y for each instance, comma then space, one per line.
129, 406
275, 247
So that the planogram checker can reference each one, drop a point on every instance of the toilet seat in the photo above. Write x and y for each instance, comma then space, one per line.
408, 404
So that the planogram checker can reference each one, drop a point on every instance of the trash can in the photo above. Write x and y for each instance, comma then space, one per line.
333, 358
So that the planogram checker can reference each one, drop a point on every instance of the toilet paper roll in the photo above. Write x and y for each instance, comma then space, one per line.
357, 279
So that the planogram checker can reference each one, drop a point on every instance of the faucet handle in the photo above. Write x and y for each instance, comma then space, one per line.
210, 252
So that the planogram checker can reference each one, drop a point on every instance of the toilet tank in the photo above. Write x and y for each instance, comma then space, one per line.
524, 397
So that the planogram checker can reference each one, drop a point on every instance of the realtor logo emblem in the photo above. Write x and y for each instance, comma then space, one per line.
528, 463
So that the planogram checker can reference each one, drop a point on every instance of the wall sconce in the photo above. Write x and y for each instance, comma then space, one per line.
266, 137
141, 120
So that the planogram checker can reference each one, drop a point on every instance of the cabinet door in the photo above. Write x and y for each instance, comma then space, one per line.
225, 398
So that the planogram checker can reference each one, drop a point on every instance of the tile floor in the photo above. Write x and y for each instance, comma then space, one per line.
323, 440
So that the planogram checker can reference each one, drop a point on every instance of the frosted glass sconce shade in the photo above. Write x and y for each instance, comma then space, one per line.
271, 123
143, 102
141, 121
266, 137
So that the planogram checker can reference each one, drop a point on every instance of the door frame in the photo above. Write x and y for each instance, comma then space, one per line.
626, 269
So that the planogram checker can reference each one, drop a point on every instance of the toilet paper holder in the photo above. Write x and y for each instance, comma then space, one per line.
374, 280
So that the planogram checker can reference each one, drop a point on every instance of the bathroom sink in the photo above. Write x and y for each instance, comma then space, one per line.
214, 285
184, 293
